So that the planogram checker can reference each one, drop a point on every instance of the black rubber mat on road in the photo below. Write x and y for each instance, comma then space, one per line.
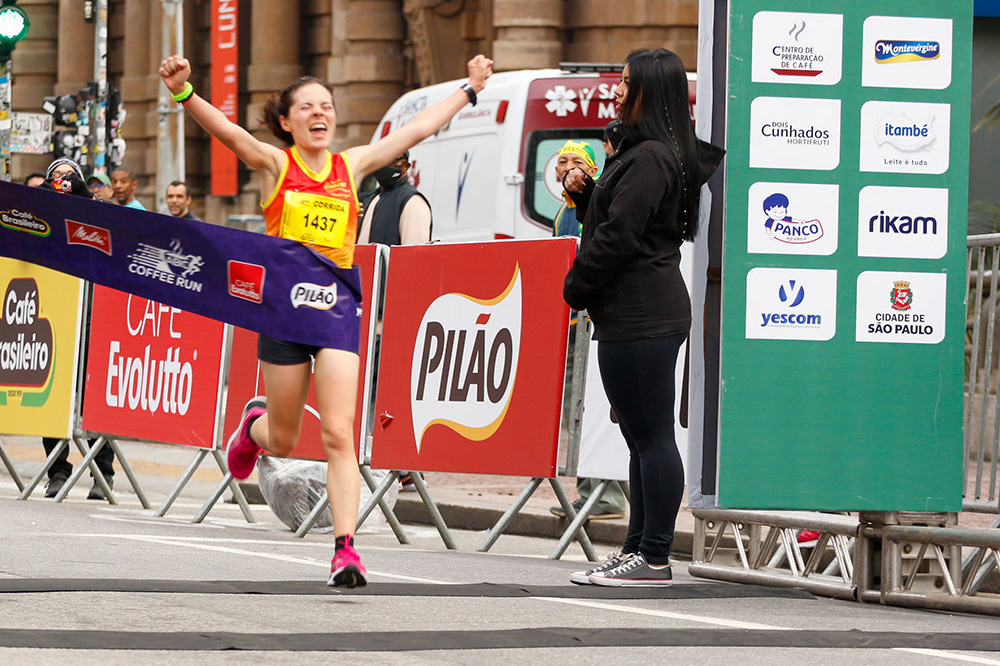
552, 637
715, 590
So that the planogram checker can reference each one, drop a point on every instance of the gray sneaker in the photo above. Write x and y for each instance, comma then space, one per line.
583, 577
633, 571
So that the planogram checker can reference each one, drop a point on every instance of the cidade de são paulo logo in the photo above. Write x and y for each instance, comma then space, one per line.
26, 343
905, 222
905, 137
901, 307
791, 304
793, 47
792, 218
157, 380
169, 264
465, 362
907, 52
794, 133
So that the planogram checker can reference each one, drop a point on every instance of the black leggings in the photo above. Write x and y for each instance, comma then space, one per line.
638, 377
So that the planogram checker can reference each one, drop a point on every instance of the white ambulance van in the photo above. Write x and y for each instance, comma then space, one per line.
490, 173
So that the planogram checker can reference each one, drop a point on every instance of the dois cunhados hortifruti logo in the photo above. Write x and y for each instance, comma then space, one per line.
465, 362
904, 222
905, 137
794, 133
901, 307
906, 52
795, 47
791, 304
792, 218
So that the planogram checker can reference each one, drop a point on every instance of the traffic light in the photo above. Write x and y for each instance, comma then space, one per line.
14, 26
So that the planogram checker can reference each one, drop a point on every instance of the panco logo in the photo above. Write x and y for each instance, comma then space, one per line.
314, 296
26, 344
465, 362
246, 281
22, 220
78, 233
891, 51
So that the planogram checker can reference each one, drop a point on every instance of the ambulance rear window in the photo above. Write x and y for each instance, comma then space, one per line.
542, 190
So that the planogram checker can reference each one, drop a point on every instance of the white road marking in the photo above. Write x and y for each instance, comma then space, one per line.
733, 624
972, 659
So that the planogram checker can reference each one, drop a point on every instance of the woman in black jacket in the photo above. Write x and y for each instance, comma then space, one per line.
627, 276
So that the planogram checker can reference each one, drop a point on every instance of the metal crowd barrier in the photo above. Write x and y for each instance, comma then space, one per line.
917, 560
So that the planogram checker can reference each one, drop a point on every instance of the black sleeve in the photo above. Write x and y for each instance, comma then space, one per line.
581, 199
635, 198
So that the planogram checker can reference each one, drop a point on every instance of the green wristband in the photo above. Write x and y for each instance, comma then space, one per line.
183, 95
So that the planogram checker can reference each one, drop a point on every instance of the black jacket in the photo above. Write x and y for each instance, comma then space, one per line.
627, 274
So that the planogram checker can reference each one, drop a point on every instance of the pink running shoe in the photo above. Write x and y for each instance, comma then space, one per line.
346, 569
241, 452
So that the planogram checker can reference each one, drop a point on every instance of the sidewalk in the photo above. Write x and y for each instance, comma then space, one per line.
467, 501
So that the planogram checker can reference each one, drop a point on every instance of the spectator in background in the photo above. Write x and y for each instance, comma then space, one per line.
179, 201
100, 186
34, 179
579, 154
396, 213
60, 172
123, 183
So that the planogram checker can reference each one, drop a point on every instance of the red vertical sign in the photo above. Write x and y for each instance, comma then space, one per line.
225, 58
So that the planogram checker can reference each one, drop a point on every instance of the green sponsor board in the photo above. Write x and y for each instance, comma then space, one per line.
843, 328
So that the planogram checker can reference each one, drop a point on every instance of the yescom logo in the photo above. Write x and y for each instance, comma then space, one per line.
465, 362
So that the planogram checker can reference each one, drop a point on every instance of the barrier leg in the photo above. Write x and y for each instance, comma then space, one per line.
310, 520
439, 523
577, 519
234, 485
10, 468
129, 474
179, 486
505, 519
88, 461
390, 515
35, 480
376, 497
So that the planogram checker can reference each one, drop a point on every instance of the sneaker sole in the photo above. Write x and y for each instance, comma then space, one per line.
617, 582
580, 578
349, 577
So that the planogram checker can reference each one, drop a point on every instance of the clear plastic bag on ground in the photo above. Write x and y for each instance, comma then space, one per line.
291, 489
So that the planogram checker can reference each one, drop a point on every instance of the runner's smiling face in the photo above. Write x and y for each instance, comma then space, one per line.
311, 117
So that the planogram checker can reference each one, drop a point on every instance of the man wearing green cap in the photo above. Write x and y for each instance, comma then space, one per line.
100, 186
573, 154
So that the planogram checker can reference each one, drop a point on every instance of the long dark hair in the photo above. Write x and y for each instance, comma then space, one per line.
277, 107
656, 107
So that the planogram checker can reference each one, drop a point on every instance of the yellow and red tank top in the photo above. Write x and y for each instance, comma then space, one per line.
317, 209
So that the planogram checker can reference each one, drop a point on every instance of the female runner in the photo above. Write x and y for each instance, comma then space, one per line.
304, 118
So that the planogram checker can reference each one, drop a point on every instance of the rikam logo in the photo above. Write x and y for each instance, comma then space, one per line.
889, 51
465, 362
791, 304
794, 47
78, 233
246, 281
22, 220
905, 222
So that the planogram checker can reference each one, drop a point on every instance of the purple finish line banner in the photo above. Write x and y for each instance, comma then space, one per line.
274, 286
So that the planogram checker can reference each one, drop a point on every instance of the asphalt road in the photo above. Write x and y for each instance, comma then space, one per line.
88, 583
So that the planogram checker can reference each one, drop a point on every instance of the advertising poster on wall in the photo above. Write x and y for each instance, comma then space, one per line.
843, 309
39, 349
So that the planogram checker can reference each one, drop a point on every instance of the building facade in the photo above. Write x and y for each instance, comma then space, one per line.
371, 50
